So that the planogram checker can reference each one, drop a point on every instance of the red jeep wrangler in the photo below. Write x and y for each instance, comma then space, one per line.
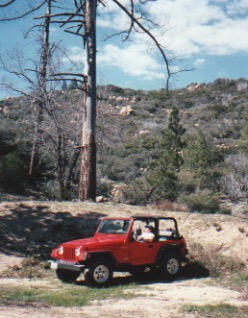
115, 247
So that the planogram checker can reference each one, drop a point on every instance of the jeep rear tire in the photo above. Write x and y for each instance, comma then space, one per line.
99, 273
67, 276
170, 266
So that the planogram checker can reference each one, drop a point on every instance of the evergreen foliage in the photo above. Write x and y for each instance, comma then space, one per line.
200, 159
64, 86
13, 172
203, 202
163, 175
73, 85
244, 137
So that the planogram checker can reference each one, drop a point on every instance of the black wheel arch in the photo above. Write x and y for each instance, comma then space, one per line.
166, 249
108, 256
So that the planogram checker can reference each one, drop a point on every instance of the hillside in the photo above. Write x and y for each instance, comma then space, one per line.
129, 126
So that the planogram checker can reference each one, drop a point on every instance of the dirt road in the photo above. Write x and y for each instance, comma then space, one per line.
154, 300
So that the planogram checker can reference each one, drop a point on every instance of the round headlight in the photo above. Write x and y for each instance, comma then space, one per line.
61, 250
77, 251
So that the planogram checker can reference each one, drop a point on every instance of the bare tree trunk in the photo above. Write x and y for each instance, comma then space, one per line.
35, 143
42, 88
87, 183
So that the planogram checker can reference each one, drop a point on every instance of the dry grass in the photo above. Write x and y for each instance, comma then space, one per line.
217, 311
171, 206
217, 264
216, 241
27, 268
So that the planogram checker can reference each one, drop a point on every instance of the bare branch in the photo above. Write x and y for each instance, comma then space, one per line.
65, 14
24, 14
186, 70
152, 37
6, 4
132, 21
75, 33
103, 2
17, 73
26, 34
67, 79
75, 14
65, 22
69, 74
19, 91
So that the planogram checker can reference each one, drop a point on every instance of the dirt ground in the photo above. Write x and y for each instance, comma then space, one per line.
24, 225
160, 300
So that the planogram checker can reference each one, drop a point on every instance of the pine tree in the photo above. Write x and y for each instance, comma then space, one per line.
73, 85
163, 175
200, 159
244, 137
64, 86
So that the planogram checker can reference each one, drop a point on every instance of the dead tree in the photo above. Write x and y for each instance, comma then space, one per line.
80, 20
42, 90
41, 72
87, 183
43, 101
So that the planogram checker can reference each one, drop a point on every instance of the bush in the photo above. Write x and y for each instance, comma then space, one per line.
50, 190
13, 176
104, 187
217, 264
203, 202
134, 193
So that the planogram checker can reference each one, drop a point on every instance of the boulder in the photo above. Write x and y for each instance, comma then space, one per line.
126, 111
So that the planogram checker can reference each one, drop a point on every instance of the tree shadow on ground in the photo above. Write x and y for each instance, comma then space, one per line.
35, 230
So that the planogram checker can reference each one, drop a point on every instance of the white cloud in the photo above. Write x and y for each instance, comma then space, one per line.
132, 60
74, 54
199, 62
192, 27
205, 27
111, 16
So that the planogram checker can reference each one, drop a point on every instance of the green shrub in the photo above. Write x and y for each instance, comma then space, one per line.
134, 194
104, 187
203, 202
50, 189
13, 176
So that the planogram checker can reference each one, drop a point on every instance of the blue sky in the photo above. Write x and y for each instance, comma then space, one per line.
209, 36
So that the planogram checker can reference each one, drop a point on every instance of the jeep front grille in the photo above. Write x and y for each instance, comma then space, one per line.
69, 253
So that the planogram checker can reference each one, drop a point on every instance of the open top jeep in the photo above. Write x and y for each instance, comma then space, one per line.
115, 247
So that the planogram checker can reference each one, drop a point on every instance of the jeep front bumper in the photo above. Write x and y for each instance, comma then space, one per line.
66, 265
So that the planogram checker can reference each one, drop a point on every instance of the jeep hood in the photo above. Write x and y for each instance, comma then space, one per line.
96, 241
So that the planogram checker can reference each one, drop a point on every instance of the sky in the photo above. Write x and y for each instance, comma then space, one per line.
208, 37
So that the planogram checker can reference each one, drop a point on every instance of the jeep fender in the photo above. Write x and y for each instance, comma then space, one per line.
169, 248
92, 256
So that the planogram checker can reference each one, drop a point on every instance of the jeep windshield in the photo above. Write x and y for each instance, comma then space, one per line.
114, 226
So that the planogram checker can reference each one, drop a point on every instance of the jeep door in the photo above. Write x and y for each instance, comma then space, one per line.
142, 253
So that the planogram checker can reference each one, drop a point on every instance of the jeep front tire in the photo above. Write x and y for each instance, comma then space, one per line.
170, 266
99, 273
